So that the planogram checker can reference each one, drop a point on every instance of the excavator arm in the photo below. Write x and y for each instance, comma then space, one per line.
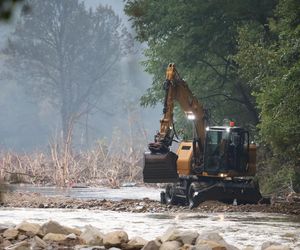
176, 89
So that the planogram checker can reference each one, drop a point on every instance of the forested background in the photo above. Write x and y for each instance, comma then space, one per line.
241, 59
72, 73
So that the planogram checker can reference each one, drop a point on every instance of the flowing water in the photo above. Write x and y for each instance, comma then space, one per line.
239, 229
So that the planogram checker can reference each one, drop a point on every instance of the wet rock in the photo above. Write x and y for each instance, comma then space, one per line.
115, 239
268, 244
210, 245
135, 243
54, 237
23, 245
37, 242
29, 227
5, 243
185, 237
214, 237
71, 236
22, 237
152, 245
170, 245
3, 227
92, 236
10, 233
192, 247
277, 247
56, 228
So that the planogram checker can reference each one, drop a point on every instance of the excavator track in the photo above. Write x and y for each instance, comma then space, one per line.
195, 192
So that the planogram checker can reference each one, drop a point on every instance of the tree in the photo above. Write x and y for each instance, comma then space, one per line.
201, 38
271, 64
66, 54
6, 8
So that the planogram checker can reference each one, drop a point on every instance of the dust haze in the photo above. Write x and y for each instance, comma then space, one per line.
29, 122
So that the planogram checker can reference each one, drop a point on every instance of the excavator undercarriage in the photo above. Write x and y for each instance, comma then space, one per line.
217, 164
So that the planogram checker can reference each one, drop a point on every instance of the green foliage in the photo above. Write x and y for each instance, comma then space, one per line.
200, 37
272, 67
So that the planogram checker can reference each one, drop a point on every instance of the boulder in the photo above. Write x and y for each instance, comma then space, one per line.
191, 247
23, 245
278, 247
10, 233
185, 237
56, 228
5, 243
152, 245
209, 245
37, 243
214, 237
135, 243
54, 237
3, 227
115, 239
29, 227
22, 237
170, 245
92, 236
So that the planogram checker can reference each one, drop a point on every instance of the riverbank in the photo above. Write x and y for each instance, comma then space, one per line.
146, 205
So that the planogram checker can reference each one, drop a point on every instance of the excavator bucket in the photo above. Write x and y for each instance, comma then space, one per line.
160, 168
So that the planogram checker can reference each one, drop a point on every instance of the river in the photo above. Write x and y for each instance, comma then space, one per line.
239, 229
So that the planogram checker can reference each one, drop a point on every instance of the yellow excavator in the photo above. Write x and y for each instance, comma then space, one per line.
217, 164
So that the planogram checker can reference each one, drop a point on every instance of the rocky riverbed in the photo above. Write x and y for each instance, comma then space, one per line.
36, 200
52, 235
149, 219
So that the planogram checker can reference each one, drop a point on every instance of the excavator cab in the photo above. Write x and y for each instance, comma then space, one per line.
226, 150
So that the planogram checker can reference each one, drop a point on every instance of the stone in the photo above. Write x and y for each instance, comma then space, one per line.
3, 227
71, 236
209, 245
170, 245
115, 239
185, 237
92, 236
54, 237
56, 228
189, 247
6, 243
277, 247
10, 233
135, 243
38, 243
267, 244
152, 245
23, 245
29, 227
22, 237
214, 237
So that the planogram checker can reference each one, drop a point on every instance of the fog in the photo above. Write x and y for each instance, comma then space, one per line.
28, 124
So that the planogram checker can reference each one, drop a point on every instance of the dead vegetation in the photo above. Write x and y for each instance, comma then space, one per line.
106, 163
